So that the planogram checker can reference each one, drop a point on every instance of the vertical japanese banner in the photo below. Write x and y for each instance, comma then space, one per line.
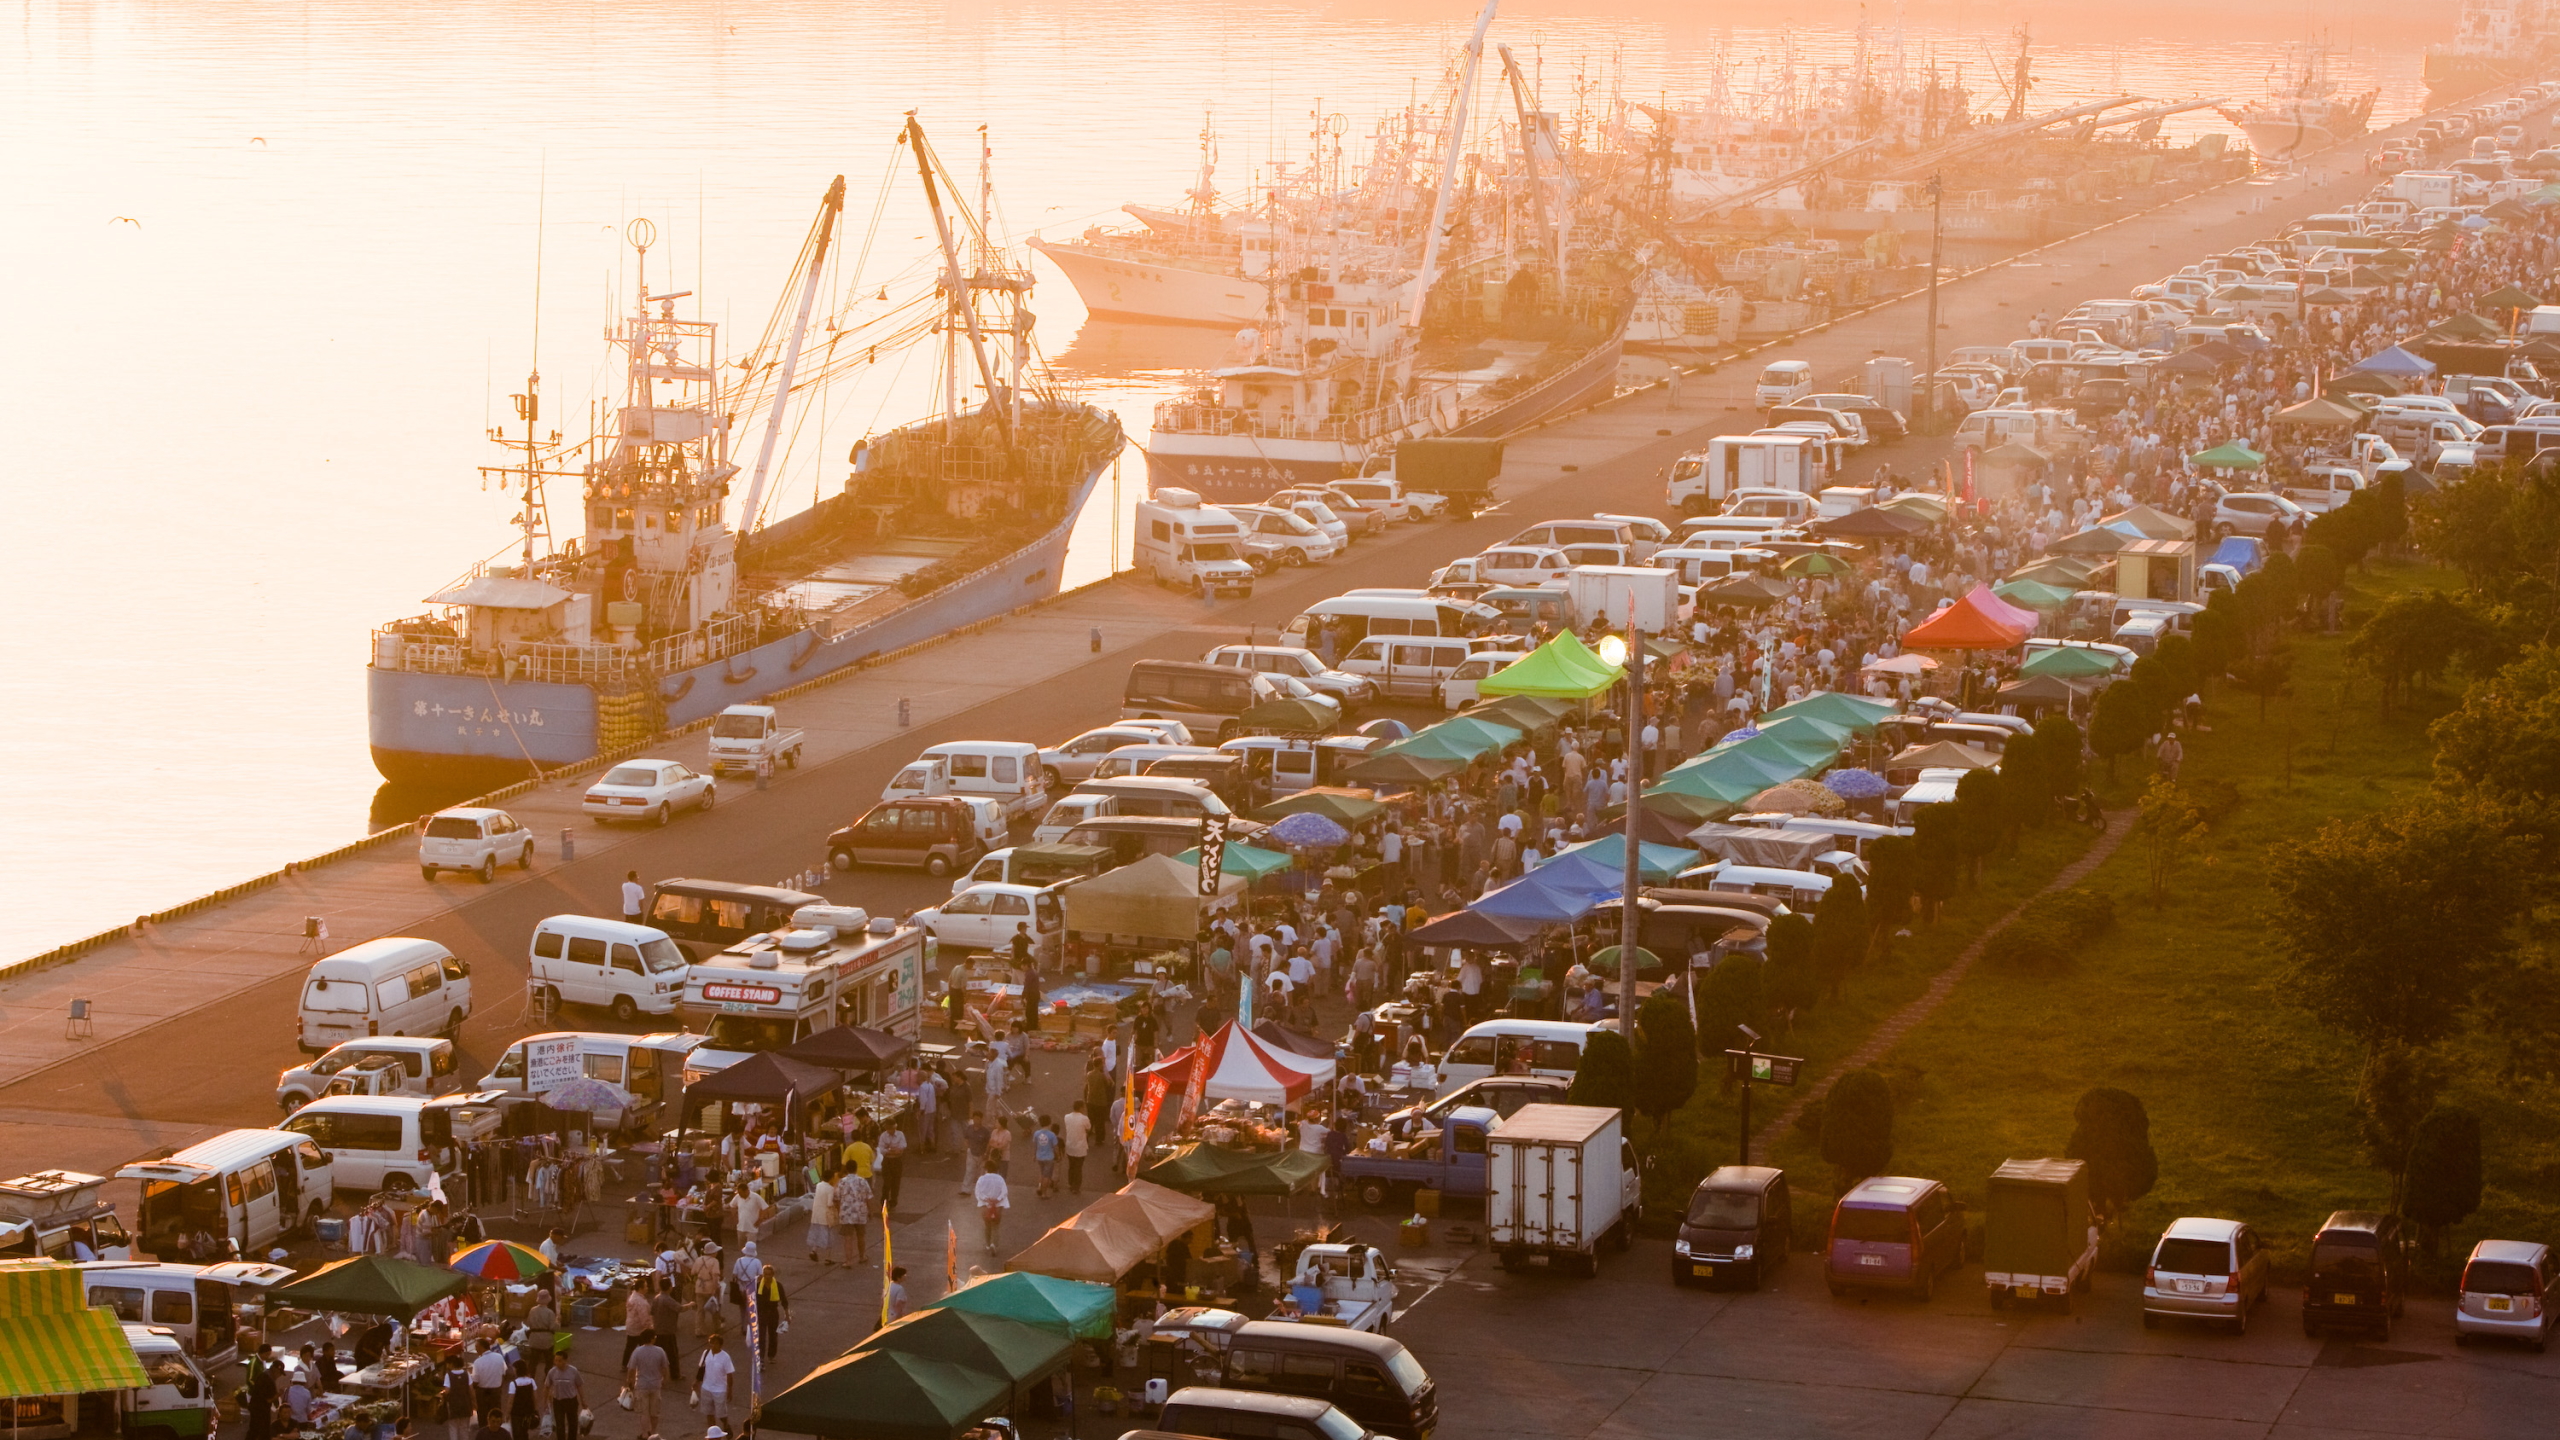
950, 1256
1146, 1123
1213, 855
1968, 475
755, 1350
1245, 987
1195, 1081
1129, 1105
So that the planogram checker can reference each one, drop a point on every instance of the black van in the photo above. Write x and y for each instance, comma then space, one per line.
1205, 697
720, 913
1370, 1378
1738, 1227
2359, 1274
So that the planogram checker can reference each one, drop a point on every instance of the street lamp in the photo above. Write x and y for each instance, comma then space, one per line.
1628, 650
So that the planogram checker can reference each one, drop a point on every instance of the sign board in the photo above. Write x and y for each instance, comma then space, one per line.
1213, 854
1762, 1069
550, 1062
729, 992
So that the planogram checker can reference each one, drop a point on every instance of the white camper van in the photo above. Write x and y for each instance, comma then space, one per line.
1197, 547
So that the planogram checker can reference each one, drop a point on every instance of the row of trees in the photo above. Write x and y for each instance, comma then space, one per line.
2110, 1133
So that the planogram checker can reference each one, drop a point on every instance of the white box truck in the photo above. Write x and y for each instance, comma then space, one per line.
2426, 189
1700, 481
1560, 1180
1196, 547
1608, 592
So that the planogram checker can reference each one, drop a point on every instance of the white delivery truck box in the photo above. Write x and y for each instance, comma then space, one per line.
1557, 1185
1609, 592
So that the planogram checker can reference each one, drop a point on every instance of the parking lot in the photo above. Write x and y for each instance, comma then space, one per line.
1630, 1355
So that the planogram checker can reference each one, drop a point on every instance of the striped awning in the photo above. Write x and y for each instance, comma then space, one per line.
39, 1287
66, 1354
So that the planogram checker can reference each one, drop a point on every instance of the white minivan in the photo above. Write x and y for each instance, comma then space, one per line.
378, 1142
1783, 383
247, 1187
632, 970
1514, 1047
393, 986
197, 1304
1006, 771
1409, 666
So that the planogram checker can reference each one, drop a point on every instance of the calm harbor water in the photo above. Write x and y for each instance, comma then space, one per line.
274, 273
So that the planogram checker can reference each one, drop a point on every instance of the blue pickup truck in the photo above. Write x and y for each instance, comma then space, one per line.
1452, 1163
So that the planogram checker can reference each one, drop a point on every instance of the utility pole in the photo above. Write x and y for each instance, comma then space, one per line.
1937, 192
1628, 925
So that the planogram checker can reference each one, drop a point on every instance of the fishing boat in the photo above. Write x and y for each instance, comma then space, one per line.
669, 604
2302, 113
2494, 42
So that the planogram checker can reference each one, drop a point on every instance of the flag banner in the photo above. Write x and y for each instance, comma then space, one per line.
1147, 1123
1213, 854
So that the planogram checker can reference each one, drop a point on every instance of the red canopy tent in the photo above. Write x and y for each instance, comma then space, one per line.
1979, 621
1244, 1066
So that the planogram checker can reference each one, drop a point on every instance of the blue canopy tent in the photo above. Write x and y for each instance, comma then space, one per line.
2392, 360
1547, 895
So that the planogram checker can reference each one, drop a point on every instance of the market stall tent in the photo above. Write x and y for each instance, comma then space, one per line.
1155, 896
886, 1395
2069, 662
1240, 1065
1978, 621
1072, 1308
1246, 861
1468, 927
1343, 807
762, 1079
1562, 669
1857, 714
1089, 1245
1165, 1214
374, 1285
53, 1343
990, 1344
1205, 1169
1655, 863
851, 1047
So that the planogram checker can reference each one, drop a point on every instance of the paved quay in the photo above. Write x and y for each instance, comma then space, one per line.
193, 1015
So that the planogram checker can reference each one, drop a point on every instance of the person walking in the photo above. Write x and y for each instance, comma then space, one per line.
261, 1391
2171, 752
711, 1377
743, 1274
568, 1391
893, 1165
524, 1401
635, 901
1075, 1137
898, 1293
823, 1219
488, 1385
461, 1408
773, 1313
994, 1198
637, 1320
645, 1376
1000, 1149
1044, 1153
854, 1203
665, 1314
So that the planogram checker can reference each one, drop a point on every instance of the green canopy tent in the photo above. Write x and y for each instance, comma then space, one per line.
1439, 742
2033, 594
1688, 807
1205, 1169
1858, 714
1744, 590
370, 1285
1931, 508
1289, 715
2320, 413
2230, 455
1243, 860
1344, 807
2071, 572
2069, 662
2096, 540
2506, 297
2465, 327
1531, 713
1655, 864
1404, 769
2363, 382
887, 1395
1486, 734
994, 1344
1803, 728
1562, 669
1816, 566
1076, 1309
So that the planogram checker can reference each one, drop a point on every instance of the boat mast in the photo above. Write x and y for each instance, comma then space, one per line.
1450, 144
1529, 136
821, 232
962, 302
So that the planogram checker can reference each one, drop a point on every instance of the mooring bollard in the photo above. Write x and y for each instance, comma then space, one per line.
902, 713
568, 842
1096, 636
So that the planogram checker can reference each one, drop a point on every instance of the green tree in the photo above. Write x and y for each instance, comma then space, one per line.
2170, 825
2058, 754
2443, 1187
2266, 674
1729, 995
1839, 934
2022, 790
2217, 635
1893, 878
2112, 1133
2157, 685
1666, 1057
1981, 819
2176, 657
2413, 637
2320, 576
2394, 1091
2389, 920
2505, 735
1938, 858
1606, 1076
2124, 719
1857, 1126
1793, 984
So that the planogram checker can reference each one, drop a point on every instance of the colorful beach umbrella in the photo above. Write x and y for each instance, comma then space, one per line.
501, 1262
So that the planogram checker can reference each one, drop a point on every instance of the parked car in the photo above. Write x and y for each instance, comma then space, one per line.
2205, 1269
473, 839
1350, 692
647, 790
1074, 760
1342, 508
2359, 1273
1273, 536
1783, 383
1203, 1412
2506, 1294
1739, 1226
1502, 1094
1893, 1232
1882, 421
426, 1067
2255, 512
938, 832
984, 917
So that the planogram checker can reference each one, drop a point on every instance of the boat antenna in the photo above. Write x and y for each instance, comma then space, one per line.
957, 285
813, 260
1530, 134
1450, 145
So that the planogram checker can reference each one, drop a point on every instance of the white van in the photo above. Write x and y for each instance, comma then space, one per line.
1067, 813
649, 1067
1514, 1047
1197, 547
54, 1214
1289, 765
1134, 759
1157, 795
197, 1304
1464, 685
393, 986
1359, 616
1703, 565
388, 1142
1802, 890
1783, 383
633, 970
1407, 666
1006, 771
247, 1187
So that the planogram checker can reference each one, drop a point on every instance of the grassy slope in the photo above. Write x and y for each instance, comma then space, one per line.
2251, 1104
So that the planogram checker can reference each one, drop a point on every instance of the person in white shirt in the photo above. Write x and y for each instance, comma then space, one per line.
994, 1198
635, 900
711, 1383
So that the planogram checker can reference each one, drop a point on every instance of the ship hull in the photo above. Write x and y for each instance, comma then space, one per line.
1241, 469
1128, 289
2451, 77
1587, 381
475, 732
2276, 139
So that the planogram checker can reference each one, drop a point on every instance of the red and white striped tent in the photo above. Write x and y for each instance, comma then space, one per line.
1244, 1066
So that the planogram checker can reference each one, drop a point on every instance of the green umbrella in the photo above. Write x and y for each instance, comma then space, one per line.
1815, 567
886, 1395
2230, 455
2069, 662
1077, 1309
1287, 714
1245, 861
1335, 805
371, 1285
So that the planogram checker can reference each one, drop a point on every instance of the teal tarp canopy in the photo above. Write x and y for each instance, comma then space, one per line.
2033, 594
1076, 1309
1243, 860
2229, 456
1858, 713
1657, 863
887, 1395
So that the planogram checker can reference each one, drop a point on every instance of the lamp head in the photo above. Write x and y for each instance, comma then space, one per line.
1613, 649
